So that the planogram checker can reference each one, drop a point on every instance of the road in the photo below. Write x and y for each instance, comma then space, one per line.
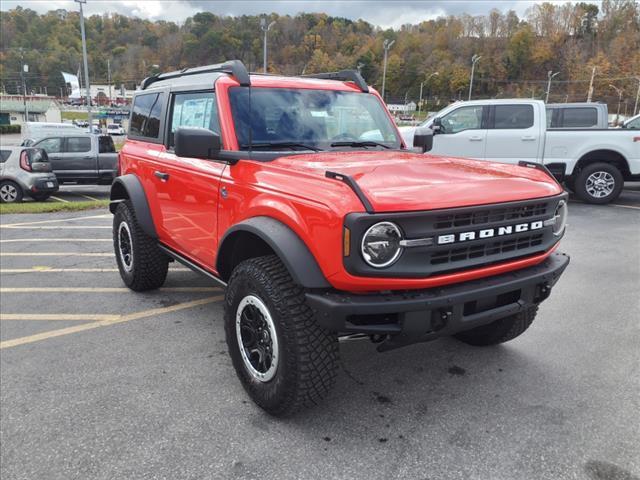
115, 384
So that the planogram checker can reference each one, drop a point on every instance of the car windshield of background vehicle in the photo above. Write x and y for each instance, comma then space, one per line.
278, 118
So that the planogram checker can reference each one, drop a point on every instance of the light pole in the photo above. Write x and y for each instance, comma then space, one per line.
635, 107
386, 45
550, 76
23, 69
475, 59
421, 85
86, 64
619, 91
265, 28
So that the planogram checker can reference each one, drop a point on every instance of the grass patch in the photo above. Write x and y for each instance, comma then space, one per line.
73, 115
51, 206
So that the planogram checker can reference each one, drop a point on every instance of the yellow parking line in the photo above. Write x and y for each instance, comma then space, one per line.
88, 196
103, 323
42, 269
30, 240
57, 227
60, 199
624, 206
101, 289
55, 254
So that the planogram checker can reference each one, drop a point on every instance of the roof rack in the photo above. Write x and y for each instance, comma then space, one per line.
344, 75
233, 67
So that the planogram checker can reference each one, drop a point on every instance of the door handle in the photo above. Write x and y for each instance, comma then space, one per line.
527, 138
161, 175
475, 138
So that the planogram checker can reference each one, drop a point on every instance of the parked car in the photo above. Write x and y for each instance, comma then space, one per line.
31, 132
577, 115
593, 163
81, 158
633, 123
115, 129
316, 232
25, 171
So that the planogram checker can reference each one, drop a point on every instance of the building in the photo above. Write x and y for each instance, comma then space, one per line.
402, 107
100, 95
40, 109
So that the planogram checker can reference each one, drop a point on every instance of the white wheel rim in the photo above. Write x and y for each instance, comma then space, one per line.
125, 246
8, 193
600, 184
257, 338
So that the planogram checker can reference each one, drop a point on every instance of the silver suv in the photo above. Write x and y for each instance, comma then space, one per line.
25, 171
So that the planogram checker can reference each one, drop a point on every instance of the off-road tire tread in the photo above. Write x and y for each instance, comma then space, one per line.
313, 355
500, 331
150, 263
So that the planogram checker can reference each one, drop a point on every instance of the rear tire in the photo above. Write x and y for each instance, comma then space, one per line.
284, 359
499, 331
599, 183
10, 192
142, 265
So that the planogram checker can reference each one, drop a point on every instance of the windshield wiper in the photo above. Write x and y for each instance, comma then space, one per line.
274, 145
363, 143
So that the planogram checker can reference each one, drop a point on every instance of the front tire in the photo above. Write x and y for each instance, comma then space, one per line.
501, 330
599, 183
142, 265
284, 359
10, 192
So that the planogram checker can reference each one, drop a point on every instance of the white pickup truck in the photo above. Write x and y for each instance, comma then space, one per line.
594, 163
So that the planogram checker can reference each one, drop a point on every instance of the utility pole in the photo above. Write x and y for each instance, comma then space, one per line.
475, 59
550, 76
386, 45
635, 107
109, 79
590, 94
86, 64
421, 85
265, 28
24, 68
619, 91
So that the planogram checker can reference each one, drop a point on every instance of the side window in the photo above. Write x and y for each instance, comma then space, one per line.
4, 155
145, 116
513, 116
463, 118
580, 117
50, 145
105, 144
634, 124
78, 144
194, 110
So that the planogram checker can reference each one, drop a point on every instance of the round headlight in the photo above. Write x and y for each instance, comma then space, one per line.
381, 244
562, 210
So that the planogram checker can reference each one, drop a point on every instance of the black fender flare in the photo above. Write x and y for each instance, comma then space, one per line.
128, 187
286, 244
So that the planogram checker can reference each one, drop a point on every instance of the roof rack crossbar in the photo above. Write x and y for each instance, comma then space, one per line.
344, 75
233, 67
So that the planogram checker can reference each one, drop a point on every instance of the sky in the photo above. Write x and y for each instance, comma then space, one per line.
383, 13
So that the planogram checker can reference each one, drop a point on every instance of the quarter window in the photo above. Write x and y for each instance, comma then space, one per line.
51, 145
513, 116
145, 116
78, 144
4, 155
463, 118
194, 110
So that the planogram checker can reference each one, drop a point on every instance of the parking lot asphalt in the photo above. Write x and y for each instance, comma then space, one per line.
97, 382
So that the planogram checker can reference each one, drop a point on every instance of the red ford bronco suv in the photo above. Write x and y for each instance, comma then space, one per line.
299, 196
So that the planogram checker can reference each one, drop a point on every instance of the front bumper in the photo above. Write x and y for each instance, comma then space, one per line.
417, 316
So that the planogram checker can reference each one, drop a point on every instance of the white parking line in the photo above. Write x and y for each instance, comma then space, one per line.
77, 317
40, 269
40, 222
102, 289
57, 227
60, 199
88, 196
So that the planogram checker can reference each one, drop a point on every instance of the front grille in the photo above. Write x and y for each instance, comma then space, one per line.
485, 250
490, 215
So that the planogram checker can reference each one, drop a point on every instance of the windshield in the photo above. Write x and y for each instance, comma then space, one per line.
312, 119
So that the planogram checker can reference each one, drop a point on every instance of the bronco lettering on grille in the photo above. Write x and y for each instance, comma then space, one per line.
489, 232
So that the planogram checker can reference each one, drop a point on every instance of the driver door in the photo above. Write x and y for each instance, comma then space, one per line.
463, 133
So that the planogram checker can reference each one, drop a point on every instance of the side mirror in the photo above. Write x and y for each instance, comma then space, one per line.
196, 142
436, 125
423, 139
